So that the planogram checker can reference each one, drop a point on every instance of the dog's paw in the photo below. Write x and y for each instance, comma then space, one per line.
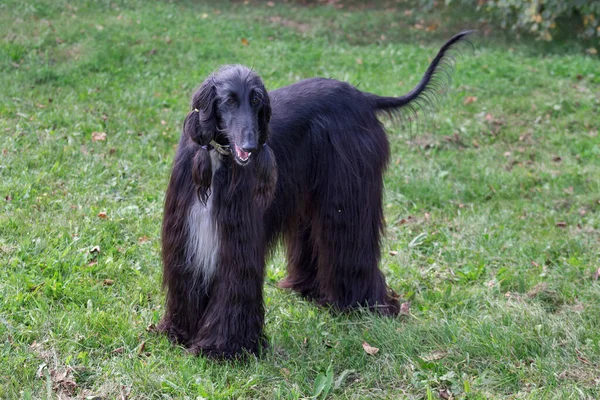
175, 335
221, 350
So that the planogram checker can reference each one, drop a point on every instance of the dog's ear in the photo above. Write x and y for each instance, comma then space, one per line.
201, 125
264, 117
205, 106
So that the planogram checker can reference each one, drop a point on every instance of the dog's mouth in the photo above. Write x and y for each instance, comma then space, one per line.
241, 156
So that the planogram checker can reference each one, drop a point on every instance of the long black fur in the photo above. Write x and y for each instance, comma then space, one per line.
313, 177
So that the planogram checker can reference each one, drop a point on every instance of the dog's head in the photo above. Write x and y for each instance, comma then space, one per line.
234, 108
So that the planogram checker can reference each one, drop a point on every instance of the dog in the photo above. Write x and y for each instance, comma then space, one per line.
304, 164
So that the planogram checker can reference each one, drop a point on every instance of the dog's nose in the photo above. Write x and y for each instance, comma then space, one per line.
249, 146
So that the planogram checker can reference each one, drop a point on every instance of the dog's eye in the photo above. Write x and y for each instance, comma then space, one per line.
255, 100
230, 101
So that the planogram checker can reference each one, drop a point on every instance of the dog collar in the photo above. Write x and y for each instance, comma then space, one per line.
221, 148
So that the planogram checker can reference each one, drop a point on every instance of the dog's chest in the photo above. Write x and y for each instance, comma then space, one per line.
203, 237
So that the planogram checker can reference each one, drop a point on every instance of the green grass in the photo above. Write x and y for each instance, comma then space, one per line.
492, 207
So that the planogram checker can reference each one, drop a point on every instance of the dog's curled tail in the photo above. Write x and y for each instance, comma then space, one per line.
431, 86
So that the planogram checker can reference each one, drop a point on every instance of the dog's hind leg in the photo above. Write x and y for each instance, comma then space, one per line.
302, 262
347, 229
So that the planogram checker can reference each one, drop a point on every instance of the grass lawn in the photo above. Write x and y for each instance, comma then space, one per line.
492, 205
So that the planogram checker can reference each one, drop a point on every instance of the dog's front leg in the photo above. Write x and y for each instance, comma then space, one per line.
234, 317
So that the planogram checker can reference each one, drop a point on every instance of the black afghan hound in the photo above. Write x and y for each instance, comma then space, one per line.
303, 163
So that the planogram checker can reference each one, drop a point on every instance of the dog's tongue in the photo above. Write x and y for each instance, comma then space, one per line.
243, 155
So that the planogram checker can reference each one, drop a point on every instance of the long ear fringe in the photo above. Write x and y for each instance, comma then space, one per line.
202, 173
266, 177
191, 128
201, 163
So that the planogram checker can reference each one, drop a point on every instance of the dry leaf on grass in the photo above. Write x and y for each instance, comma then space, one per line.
97, 136
369, 349
102, 214
469, 100
434, 356
405, 308
245, 42
143, 239
63, 381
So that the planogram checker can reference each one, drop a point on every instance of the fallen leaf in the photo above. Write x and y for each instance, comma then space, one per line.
270, 3
97, 136
95, 249
285, 371
359, 61
419, 26
446, 394
597, 274
204, 16
8, 198
63, 381
436, 355
245, 42
432, 28
592, 51
369, 349
108, 282
408, 12
393, 253
151, 328
141, 347
535, 264
561, 224
581, 357
143, 239
405, 308
102, 215
118, 350
163, 122
469, 100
